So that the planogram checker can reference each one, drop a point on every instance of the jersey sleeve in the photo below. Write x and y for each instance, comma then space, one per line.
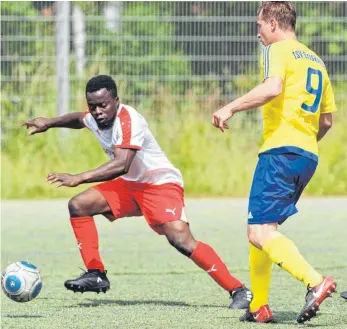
86, 119
328, 100
130, 132
273, 62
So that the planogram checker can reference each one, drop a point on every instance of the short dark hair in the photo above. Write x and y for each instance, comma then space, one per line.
100, 82
283, 12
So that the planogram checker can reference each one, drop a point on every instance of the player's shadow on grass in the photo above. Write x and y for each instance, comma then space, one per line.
101, 302
21, 316
290, 316
286, 317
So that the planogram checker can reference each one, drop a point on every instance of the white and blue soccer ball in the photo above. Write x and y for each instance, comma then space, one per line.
21, 281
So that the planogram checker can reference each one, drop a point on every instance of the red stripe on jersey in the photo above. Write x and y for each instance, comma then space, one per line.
124, 146
125, 123
84, 115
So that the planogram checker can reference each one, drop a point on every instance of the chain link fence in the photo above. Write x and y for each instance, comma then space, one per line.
172, 50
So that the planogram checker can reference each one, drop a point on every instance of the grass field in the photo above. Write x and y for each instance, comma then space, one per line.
152, 285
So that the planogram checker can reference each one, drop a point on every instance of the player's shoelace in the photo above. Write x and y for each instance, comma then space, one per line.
309, 290
86, 272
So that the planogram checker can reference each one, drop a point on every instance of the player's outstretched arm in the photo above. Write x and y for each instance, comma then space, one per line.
39, 125
325, 123
110, 170
258, 96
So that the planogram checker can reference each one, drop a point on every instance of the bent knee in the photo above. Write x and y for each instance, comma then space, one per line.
256, 236
77, 207
259, 237
184, 247
88, 203
178, 231
255, 239
182, 240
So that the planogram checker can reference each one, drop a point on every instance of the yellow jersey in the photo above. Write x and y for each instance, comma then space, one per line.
291, 120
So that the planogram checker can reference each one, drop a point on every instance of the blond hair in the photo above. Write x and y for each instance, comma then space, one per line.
283, 12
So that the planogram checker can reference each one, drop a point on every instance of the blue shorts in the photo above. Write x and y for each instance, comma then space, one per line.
278, 182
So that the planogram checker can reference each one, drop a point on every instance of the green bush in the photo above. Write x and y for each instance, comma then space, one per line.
212, 163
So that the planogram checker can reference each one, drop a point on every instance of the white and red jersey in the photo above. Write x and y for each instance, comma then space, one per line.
130, 130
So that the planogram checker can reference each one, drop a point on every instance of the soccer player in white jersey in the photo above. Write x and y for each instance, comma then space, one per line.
137, 180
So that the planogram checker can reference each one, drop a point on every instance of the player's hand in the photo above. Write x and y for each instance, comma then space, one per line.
220, 117
63, 179
39, 125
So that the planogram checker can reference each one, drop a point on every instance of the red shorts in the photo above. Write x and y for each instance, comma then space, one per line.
159, 204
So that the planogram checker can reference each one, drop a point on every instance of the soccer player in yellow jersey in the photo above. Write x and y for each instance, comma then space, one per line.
298, 104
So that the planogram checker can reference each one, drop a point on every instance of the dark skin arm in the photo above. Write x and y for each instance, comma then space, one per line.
110, 170
71, 120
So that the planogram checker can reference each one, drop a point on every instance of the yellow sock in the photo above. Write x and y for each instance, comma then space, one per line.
260, 271
283, 252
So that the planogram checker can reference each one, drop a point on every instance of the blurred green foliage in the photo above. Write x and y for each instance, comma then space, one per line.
212, 164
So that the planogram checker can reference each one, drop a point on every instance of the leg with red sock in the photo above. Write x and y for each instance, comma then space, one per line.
180, 236
207, 259
81, 208
94, 279
88, 242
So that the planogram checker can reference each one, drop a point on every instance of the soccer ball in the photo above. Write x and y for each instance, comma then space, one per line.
21, 281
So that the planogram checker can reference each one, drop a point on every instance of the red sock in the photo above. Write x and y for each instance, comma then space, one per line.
207, 259
88, 242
